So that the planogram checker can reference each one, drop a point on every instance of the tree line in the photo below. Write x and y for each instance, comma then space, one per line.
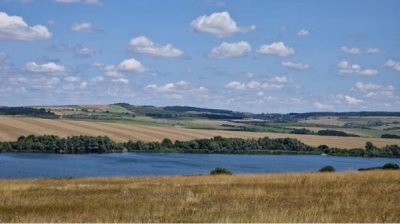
326, 132
103, 144
27, 111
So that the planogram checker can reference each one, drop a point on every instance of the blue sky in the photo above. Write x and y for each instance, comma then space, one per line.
256, 56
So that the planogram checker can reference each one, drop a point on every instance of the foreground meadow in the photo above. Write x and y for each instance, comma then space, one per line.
314, 197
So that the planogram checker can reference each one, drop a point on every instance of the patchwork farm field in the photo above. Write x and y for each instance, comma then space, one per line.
13, 127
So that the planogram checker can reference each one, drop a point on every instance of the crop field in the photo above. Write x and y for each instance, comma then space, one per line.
370, 196
331, 120
13, 127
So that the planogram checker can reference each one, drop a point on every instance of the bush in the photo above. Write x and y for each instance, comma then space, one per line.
390, 136
390, 166
327, 169
220, 170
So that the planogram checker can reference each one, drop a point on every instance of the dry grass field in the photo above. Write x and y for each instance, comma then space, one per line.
13, 127
371, 196
329, 120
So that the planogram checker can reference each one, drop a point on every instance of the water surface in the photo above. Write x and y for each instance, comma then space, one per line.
38, 165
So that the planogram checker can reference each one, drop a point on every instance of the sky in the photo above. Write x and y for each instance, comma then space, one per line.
254, 56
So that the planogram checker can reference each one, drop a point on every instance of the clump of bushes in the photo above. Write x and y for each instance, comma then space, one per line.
220, 170
327, 169
390, 166
387, 166
390, 136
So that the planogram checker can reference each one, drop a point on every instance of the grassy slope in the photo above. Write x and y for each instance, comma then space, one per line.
315, 197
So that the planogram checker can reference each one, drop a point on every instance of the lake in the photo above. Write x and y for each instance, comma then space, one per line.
38, 165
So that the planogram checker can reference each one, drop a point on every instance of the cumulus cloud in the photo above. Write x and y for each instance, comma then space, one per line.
121, 80
276, 48
15, 28
219, 24
230, 50
119, 71
131, 65
352, 101
177, 90
82, 27
322, 106
374, 90
353, 50
50, 67
235, 85
303, 33
274, 83
395, 65
144, 45
293, 65
346, 68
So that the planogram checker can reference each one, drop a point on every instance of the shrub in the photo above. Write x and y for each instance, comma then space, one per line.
390, 136
390, 166
220, 170
327, 169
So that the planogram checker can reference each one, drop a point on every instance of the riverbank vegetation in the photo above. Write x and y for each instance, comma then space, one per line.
103, 144
312, 197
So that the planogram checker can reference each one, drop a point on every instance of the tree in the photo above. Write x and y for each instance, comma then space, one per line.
369, 146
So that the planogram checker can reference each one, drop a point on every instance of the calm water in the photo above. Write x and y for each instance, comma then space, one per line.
18, 165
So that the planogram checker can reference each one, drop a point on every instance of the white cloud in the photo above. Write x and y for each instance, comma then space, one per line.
353, 50
50, 67
131, 65
352, 101
275, 83
82, 27
230, 50
121, 80
365, 87
303, 33
235, 85
374, 91
346, 68
279, 79
322, 106
395, 65
219, 24
72, 79
293, 65
253, 85
15, 28
373, 50
144, 45
276, 48
177, 91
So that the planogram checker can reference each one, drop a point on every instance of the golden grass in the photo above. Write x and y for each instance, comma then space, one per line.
315, 197
13, 127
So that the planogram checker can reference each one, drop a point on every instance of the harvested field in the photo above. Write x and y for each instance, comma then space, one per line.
13, 127
330, 120
371, 196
